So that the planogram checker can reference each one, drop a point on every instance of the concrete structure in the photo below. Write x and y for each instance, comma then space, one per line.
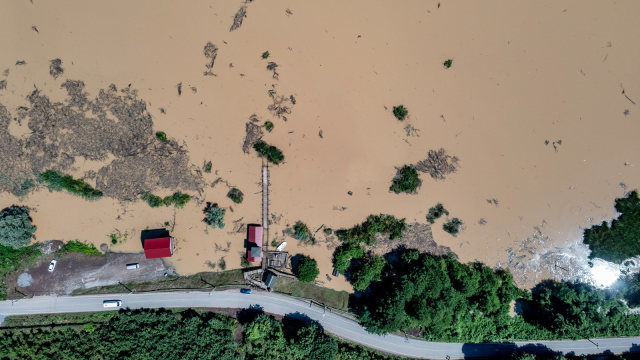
277, 259
271, 280
158, 248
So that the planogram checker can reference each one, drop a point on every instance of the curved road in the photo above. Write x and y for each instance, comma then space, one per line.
333, 323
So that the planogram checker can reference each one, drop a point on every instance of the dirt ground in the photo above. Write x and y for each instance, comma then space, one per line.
77, 271
538, 109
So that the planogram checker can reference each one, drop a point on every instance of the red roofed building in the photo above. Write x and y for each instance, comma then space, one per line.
255, 234
158, 248
254, 251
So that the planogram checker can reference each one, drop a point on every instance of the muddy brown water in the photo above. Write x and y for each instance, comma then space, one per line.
522, 74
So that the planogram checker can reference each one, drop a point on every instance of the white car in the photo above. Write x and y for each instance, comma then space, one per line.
52, 265
111, 303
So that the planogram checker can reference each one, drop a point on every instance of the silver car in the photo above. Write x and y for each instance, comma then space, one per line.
52, 265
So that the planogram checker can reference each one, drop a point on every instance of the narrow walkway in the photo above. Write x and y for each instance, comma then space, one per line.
265, 214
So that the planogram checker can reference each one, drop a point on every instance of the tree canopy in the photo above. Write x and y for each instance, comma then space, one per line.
16, 229
307, 269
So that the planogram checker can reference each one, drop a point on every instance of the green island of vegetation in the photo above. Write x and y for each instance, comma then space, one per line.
400, 112
177, 333
178, 200
307, 269
406, 181
235, 195
621, 240
16, 229
270, 152
58, 181
436, 213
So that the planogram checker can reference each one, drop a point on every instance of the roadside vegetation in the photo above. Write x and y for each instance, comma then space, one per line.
126, 334
214, 216
436, 213
400, 112
178, 199
321, 294
620, 240
406, 181
12, 259
271, 153
16, 229
58, 181
307, 269
77, 246
235, 195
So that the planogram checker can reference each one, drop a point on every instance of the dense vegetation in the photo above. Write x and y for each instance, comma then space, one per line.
160, 135
270, 152
16, 228
178, 200
235, 195
621, 240
436, 213
77, 246
58, 181
12, 259
215, 217
180, 334
452, 226
301, 232
307, 269
368, 270
406, 181
400, 112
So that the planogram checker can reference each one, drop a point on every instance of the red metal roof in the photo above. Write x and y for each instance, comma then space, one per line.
254, 254
158, 248
255, 234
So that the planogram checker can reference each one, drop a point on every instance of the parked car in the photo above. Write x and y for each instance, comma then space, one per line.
133, 266
112, 303
52, 265
245, 291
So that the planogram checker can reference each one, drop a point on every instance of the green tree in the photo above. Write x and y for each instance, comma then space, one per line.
215, 217
235, 195
400, 112
264, 338
307, 269
406, 181
270, 152
343, 255
369, 270
16, 229
312, 343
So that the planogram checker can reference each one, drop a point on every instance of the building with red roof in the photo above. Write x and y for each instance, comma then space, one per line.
158, 248
254, 246
255, 234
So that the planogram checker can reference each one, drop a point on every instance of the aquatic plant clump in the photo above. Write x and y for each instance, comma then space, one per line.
453, 226
406, 181
621, 240
16, 229
235, 195
271, 153
58, 181
400, 112
436, 212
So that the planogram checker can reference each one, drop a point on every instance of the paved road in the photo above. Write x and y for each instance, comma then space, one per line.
282, 305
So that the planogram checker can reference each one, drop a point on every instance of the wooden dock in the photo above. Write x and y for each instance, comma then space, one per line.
265, 213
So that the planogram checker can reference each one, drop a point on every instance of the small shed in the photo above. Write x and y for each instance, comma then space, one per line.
255, 254
158, 248
271, 280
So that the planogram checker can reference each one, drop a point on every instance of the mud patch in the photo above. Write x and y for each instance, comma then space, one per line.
25, 280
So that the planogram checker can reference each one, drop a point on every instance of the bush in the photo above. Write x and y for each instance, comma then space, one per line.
222, 264
620, 241
271, 153
327, 231
447, 64
269, 126
407, 181
16, 229
58, 181
178, 200
235, 195
452, 226
207, 167
375, 224
160, 135
215, 217
343, 255
301, 231
265, 55
307, 269
400, 112
26, 185
244, 262
77, 246
370, 269
436, 213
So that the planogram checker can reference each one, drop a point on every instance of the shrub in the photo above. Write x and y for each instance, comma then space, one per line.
400, 112
407, 181
370, 269
235, 195
375, 224
327, 231
58, 181
343, 255
452, 226
178, 200
447, 64
619, 241
16, 229
307, 269
215, 217
436, 212
271, 153
244, 262
160, 135
207, 167
26, 185
265, 55
301, 231
222, 264
269, 126
77, 246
